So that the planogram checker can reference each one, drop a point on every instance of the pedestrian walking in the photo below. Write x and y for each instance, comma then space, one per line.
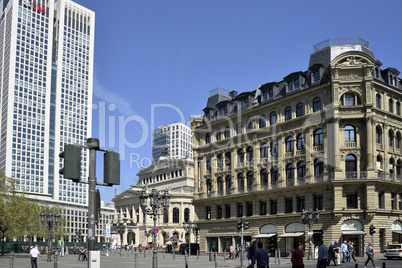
337, 256
237, 251
331, 255
297, 256
370, 254
261, 257
352, 252
84, 254
250, 255
232, 251
322, 260
34, 256
344, 247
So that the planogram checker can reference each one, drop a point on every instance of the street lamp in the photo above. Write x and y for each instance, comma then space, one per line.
77, 239
310, 217
3, 229
188, 227
155, 207
121, 229
51, 221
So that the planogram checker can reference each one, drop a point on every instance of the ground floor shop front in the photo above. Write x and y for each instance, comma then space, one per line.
281, 236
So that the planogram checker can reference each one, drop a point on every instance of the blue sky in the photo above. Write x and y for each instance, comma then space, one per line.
165, 56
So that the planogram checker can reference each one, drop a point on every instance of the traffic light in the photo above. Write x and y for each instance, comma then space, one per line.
246, 225
111, 168
372, 229
239, 225
72, 162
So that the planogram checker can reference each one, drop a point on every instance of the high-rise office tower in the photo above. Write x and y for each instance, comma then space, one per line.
46, 74
174, 140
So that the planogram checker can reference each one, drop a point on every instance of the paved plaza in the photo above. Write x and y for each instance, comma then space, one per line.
126, 260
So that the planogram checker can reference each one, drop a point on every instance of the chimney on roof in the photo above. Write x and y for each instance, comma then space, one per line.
233, 94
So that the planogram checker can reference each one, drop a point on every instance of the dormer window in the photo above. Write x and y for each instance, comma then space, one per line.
270, 93
265, 95
245, 103
297, 83
290, 86
316, 76
208, 115
223, 110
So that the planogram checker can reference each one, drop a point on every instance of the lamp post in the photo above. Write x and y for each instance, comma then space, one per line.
155, 207
310, 217
77, 239
189, 226
121, 229
51, 221
3, 229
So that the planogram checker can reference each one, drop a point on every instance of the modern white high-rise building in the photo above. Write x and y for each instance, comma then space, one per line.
46, 84
175, 140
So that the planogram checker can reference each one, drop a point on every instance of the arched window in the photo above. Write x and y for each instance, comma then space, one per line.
318, 167
264, 177
350, 99
176, 217
301, 142
379, 163
290, 175
288, 113
240, 181
274, 175
249, 126
209, 186
186, 214
227, 132
240, 156
272, 118
350, 166
390, 138
274, 148
391, 105
207, 138
399, 169
250, 180
219, 159
239, 129
350, 133
299, 109
289, 144
318, 137
301, 170
378, 135
316, 104
208, 164
378, 101
398, 140
228, 160
228, 182
249, 154
218, 135
264, 151
391, 166
220, 185
262, 121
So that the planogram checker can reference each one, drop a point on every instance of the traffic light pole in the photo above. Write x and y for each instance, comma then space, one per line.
91, 200
241, 248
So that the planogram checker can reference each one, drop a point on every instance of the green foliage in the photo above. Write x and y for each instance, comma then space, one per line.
21, 216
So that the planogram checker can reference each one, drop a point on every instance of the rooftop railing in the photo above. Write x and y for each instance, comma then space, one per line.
341, 42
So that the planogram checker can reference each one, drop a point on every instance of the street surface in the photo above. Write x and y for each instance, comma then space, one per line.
126, 260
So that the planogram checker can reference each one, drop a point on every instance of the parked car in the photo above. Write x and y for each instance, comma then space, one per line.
194, 248
393, 251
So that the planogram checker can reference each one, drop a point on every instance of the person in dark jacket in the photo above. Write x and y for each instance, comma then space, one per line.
261, 257
331, 255
251, 252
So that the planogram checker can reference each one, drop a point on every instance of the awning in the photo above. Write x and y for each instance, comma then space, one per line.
291, 235
397, 232
264, 235
353, 232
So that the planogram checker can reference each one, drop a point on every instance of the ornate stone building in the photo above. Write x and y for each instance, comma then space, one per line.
177, 175
326, 139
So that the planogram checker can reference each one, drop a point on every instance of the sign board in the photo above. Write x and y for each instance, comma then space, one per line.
156, 230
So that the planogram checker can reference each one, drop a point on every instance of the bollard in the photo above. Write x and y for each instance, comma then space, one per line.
356, 265
11, 260
185, 261
216, 260
164, 252
144, 253
383, 265
276, 256
224, 255
135, 260
279, 256
174, 253
198, 252
55, 259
